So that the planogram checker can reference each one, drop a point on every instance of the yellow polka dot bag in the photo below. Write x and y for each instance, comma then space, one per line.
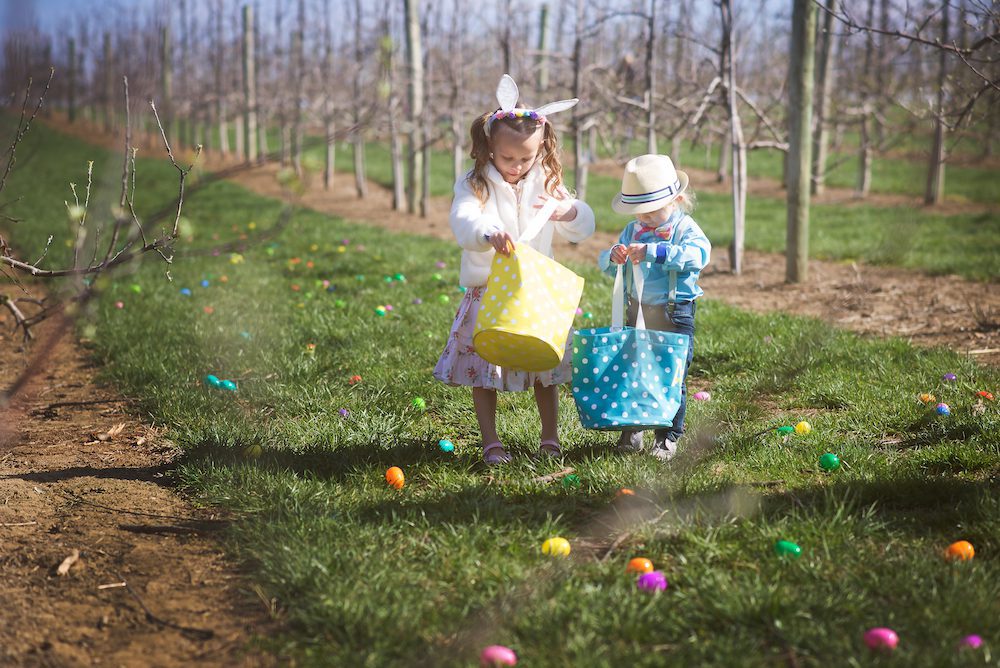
627, 377
528, 308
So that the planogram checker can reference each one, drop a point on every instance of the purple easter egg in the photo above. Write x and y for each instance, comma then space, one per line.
343, 412
972, 642
881, 638
418, 301
949, 377
652, 581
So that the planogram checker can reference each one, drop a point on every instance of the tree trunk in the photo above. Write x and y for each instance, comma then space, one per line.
108, 93
220, 95
249, 88
166, 80
240, 135
71, 90
800, 98
580, 166
298, 40
651, 79
737, 144
415, 68
542, 59
867, 111
328, 112
825, 74
934, 193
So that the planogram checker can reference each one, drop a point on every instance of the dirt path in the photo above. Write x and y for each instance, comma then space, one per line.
78, 472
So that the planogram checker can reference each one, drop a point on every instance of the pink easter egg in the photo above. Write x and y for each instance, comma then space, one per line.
702, 396
972, 642
881, 638
119, 304
497, 655
652, 581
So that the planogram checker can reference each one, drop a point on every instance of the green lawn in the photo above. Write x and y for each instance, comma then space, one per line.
367, 575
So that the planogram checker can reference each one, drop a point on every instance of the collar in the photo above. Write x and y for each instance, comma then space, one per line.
494, 175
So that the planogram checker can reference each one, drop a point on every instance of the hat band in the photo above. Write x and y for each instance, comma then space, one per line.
652, 196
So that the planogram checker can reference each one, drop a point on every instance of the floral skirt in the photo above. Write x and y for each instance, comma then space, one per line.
460, 365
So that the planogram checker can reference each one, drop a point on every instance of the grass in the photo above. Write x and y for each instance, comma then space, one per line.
367, 575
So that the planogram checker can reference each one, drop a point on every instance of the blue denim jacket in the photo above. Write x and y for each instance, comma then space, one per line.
684, 254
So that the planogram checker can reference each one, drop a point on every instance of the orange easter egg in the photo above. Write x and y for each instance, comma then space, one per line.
639, 565
961, 550
625, 491
394, 476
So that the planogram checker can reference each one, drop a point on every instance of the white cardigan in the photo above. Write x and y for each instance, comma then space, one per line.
471, 220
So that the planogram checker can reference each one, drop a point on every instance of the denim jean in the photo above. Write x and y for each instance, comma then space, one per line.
677, 317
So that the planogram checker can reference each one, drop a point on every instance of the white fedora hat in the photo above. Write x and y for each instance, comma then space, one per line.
650, 183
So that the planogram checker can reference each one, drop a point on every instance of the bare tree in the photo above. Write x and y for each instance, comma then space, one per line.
415, 70
249, 87
800, 102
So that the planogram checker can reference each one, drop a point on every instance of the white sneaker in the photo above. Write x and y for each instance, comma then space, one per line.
664, 449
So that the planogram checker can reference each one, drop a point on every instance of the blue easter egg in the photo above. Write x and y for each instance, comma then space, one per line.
229, 385
204, 283
446, 445
186, 292
943, 409
212, 381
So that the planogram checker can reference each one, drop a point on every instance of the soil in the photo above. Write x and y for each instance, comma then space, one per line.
80, 471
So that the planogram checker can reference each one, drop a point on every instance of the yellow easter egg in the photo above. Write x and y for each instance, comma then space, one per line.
803, 428
556, 547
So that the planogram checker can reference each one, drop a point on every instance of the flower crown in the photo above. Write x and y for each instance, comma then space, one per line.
507, 95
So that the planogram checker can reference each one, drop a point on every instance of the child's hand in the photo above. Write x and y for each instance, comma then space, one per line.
502, 242
619, 253
565, 211
637, 253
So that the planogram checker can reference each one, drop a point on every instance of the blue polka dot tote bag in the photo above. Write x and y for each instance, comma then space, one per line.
627, 377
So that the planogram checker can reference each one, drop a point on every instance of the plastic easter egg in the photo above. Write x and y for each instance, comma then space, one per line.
625, 491
949, 378
440, 264
186, 292
588, 315
701, 396
387, 279
652, 581
571, 481
497, 655
927, 398
209, 310
972, 642
245, 335
360, 277
943, 410
331, 288
961, 550
556, 547
119, 305
463, 289
829, 462
380, 311
639, 565
803, 428
354, 380
444, 299
400, 278
204, 283
343, 412
786, 548
229, 385
212, 381
388, 307
579, 311
985, 395
419, 403
394, 476
340, 303
136, 288
417, 301
438, 277
252, 451
786, 429
881, 638
446, 445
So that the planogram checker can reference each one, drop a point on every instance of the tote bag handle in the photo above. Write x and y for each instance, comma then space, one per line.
539, 221
618, 299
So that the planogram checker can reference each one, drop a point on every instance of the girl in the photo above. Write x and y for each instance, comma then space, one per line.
516, 171
668, 247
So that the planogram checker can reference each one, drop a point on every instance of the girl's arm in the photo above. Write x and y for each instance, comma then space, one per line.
469, 223
604, 260
691, 252
580, 227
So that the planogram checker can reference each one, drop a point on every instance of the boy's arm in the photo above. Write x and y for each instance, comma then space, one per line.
469, 223
691, 252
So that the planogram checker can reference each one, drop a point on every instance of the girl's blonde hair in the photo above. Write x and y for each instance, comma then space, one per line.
481, 152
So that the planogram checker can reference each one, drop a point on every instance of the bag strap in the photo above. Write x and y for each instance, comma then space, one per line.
539, 221
618, 299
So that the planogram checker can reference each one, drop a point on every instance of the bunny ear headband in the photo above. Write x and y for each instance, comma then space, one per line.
507, 97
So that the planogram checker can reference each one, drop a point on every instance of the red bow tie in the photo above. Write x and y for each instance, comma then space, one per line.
656, 229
